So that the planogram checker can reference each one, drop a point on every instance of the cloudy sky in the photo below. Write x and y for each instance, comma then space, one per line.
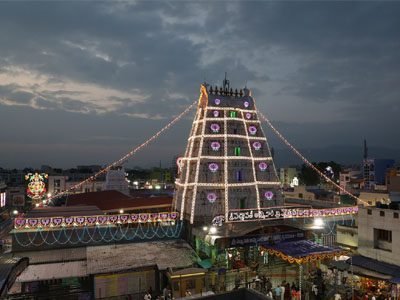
82, 82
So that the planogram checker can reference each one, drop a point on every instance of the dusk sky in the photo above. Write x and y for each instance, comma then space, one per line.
82, 82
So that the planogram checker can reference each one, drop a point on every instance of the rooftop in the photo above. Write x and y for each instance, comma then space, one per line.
114, 201
164, 254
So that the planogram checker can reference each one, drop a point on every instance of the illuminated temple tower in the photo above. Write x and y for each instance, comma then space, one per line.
227, 164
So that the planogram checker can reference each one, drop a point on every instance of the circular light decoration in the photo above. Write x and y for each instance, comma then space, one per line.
269, 195
211, 197
217, 101
216, 113
215, 127
263, 166
248, 116
246, 104
215, 146
252, 130
257, 145
213, 167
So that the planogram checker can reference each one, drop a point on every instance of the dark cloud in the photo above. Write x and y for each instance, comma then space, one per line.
329, 66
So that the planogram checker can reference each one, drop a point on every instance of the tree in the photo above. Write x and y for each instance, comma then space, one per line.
308, 176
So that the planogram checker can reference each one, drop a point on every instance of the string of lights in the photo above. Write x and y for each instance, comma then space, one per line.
97, 234
189, 153
128, 155
196, 177
227, 157
229, 184
236, 136
229, 118
305, 160
253, 163
226, 181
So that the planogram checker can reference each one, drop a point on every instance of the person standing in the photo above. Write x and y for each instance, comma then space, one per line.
147, 296
278, 292
283, 291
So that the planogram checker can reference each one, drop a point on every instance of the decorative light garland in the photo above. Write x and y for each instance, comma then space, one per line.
95, 220
230, 108
226, 157
274, 213
215, 113
305, 259
189, 152
98, 234
126, 156
226, 181
217, 118
217, 101
236, 136
196, 178
253, 166
242, 184
285, 141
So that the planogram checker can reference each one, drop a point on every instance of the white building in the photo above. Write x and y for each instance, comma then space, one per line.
288, 176
379, 234
116, 180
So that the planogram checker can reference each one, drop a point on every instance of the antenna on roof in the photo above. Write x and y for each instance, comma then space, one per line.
225, 83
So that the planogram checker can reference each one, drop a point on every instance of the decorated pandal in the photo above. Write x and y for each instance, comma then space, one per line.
21, 223
302, 251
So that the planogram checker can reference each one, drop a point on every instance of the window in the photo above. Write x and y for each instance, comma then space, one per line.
237, 151
382, 213
383, 235
383, 239
369, 211
239, 175
396, 215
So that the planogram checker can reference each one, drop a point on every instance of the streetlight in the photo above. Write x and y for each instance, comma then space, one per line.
213, 230
15, 212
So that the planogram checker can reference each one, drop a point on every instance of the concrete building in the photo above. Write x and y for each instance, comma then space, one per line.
373, 197
374, 171
287, 176
350, 180
393, 180
116, 180
379, 234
